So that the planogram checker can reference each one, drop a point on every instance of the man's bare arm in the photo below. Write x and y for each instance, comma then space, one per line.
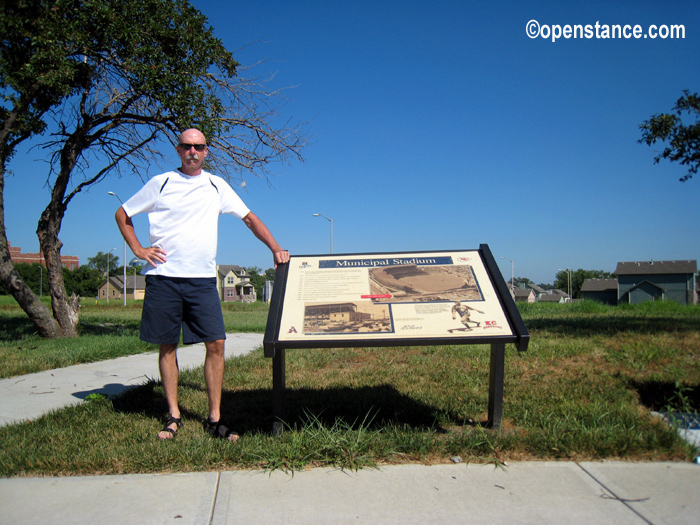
151, 254
261, 232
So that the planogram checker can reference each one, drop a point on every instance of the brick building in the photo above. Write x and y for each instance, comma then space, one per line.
68, 261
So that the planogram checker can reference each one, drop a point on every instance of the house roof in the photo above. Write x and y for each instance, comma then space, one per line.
649, 283
656, 267
139, 280
599, 285
552, 298
224, 270
521, 292
538, 289
118, 281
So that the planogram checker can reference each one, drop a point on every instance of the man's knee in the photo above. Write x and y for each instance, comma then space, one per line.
215, 348
165, 350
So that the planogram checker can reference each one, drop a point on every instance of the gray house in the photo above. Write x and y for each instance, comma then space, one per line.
539, 291
601, 290
554, 298
656, 280
522, 295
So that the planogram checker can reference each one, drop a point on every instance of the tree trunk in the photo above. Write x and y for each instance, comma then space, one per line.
27, 300
65, 311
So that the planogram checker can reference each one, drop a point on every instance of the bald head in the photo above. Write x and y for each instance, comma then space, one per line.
192, 136
192, 150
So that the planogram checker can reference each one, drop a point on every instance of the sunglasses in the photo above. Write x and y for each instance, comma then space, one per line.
186, 146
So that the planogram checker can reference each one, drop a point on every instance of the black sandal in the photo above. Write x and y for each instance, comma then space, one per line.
220, 430
166, 427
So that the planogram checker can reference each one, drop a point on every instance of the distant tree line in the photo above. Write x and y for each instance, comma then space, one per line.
85, 280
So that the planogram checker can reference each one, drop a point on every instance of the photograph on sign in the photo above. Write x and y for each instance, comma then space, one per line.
350, 317
411, 283
378, 296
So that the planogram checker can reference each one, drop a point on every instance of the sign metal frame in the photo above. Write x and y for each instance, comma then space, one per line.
290, 325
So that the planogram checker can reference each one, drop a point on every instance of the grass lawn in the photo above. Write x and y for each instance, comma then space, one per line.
584, 390
107, 330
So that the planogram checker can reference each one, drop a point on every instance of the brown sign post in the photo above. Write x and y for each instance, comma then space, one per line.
392, 299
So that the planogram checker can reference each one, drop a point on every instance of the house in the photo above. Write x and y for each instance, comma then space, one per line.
267, 291
539, 291
523, 295
554, 298
656, 280
601, 290
135, 287
67, 261
557, 291
233, 283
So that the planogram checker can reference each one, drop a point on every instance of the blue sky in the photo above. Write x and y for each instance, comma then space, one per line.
441, 126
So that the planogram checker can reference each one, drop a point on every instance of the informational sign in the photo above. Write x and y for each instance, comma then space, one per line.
397, 299
394, 298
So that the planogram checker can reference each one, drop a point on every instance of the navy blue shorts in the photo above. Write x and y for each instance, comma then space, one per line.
174, 303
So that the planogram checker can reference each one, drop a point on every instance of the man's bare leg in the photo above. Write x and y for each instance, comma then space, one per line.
169, 375
214, 377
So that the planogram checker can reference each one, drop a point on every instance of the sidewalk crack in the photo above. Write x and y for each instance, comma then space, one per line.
216, 495
606, 493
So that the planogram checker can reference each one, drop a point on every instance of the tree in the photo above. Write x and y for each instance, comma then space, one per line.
115, 76
99, 262
83, 281
683, 140
257, 280
32, 274
575, 279
521, 282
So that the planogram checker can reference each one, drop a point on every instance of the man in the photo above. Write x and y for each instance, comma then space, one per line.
183, 208
464, 315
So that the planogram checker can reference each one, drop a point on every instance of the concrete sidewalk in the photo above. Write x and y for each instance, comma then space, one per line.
28, 397
527, 492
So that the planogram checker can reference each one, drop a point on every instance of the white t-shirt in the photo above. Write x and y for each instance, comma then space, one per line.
183, 212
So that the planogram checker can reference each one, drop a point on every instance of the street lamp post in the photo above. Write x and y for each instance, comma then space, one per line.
329, 220
124, 287
568, 282
134, 263
110, 251
512, 274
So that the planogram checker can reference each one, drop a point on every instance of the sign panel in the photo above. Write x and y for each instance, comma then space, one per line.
398, 299
389, 297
